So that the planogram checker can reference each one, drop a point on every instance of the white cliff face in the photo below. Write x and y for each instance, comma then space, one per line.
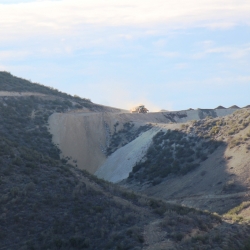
118, 165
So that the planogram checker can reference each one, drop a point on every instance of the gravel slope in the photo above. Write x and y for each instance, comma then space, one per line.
118, 166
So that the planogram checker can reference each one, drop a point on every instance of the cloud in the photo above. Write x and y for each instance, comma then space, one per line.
206, 44
169, 54
63, 28
228, 51
160, 43
243, 79
6, 55
66, 17
239, 53
214, 82
181, 66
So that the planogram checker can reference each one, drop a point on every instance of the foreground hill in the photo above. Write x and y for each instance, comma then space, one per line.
46, 203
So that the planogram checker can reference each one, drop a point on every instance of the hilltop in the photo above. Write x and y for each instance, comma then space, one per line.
18, 87
48, 202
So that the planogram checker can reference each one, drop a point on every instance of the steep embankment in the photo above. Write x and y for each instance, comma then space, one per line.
204, 164
120, 164
84, 138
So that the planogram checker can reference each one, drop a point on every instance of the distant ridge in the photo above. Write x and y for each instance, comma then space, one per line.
220, 107
248, 106
234, 107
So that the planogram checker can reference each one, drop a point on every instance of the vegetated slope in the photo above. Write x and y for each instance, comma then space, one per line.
172, 152
204, 163
10, 84
47, 204
126, 151
124, 136
43, 203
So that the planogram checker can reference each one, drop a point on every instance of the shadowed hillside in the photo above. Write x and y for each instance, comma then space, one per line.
172, 153
46, 203
204, 163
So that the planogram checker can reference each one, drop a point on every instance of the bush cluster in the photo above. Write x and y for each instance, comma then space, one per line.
172, 152
128, 133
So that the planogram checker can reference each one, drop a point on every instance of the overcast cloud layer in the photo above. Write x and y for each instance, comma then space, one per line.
162, 53
62, 17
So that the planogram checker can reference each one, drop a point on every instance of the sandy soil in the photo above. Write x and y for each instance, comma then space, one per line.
81, 137
84, 136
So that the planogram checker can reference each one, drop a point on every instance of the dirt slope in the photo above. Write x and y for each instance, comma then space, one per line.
83, 137
118, 166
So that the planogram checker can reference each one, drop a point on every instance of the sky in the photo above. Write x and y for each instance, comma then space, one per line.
166, 54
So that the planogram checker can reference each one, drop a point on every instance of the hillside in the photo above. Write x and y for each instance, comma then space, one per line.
178, 151
18, 87
89, 139
47, 203
203, 163
10, 83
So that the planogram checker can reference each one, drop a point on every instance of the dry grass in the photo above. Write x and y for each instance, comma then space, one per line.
233, 213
